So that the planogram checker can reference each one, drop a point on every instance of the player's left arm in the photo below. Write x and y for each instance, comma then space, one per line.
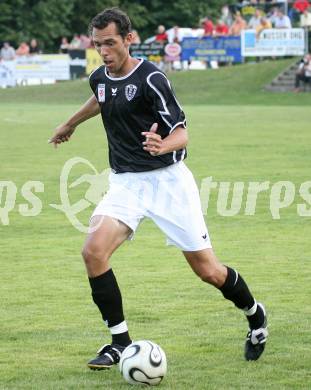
155, 145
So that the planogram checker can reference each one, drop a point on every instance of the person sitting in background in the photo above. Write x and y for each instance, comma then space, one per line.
34, 47
64, 46
161, 36
23, 49
304, 72
264, 24
208, 27
282, 20
136, 38
254, 21
7, 52
221, 29
238, 25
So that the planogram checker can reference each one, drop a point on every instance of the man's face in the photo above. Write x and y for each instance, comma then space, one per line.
110, 45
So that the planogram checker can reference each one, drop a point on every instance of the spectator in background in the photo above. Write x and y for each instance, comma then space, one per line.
305, 19
64, 46
85, 42
226, 16
34, 47
161, 35
238, 25
136, 38
23, 49
75, 42
208, 27
7, 52
272, 15
264, 24
304, 72
305, 22
221, 29
175, 37
255, 20
282, 21
301, 5
297, 9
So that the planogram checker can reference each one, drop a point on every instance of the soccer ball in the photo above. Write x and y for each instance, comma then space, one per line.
143, 363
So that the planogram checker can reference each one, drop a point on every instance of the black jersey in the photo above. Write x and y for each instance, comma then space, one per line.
130, 105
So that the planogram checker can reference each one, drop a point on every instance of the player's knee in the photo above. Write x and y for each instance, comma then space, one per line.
92, 254
212, 276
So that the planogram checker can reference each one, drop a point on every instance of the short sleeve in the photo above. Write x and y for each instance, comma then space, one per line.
164, 101
92, 84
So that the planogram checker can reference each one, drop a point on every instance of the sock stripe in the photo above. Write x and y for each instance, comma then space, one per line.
236, 277
120, 328
252, 310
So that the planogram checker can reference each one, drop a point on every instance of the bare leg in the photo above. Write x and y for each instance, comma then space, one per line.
99, 246
205, 264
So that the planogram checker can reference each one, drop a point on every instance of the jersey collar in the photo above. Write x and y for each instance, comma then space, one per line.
127, 75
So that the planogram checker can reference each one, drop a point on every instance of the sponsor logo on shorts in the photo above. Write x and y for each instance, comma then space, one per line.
130, 91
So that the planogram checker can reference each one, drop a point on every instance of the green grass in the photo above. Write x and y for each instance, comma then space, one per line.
49, 326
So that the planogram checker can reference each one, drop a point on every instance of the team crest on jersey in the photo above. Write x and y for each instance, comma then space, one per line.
101, 93
130, 91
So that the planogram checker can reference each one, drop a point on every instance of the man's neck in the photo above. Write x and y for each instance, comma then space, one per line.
129, 64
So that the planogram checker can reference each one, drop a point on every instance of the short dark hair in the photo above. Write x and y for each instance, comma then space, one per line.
112, 15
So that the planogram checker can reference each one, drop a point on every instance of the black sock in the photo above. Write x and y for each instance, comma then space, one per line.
235, 289
121, 339
107, 296
257, 319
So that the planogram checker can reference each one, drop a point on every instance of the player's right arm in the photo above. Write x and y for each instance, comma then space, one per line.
65, 130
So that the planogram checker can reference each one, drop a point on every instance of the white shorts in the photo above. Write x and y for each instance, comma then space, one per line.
169, 196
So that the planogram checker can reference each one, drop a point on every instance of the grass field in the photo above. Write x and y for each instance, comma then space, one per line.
49, 326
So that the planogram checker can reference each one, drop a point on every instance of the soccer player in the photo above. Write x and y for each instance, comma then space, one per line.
147, 138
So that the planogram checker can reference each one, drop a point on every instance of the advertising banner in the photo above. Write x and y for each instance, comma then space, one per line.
172, 52
273, 43
153, 52
43, 66
222, 49
93, 60
77, 63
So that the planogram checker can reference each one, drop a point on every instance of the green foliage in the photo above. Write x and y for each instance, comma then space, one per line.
49, 20
183, 13
44, 20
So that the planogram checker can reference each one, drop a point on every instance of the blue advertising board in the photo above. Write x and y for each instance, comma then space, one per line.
221, 49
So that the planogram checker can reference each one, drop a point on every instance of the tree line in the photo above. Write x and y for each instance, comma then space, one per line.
49, 20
